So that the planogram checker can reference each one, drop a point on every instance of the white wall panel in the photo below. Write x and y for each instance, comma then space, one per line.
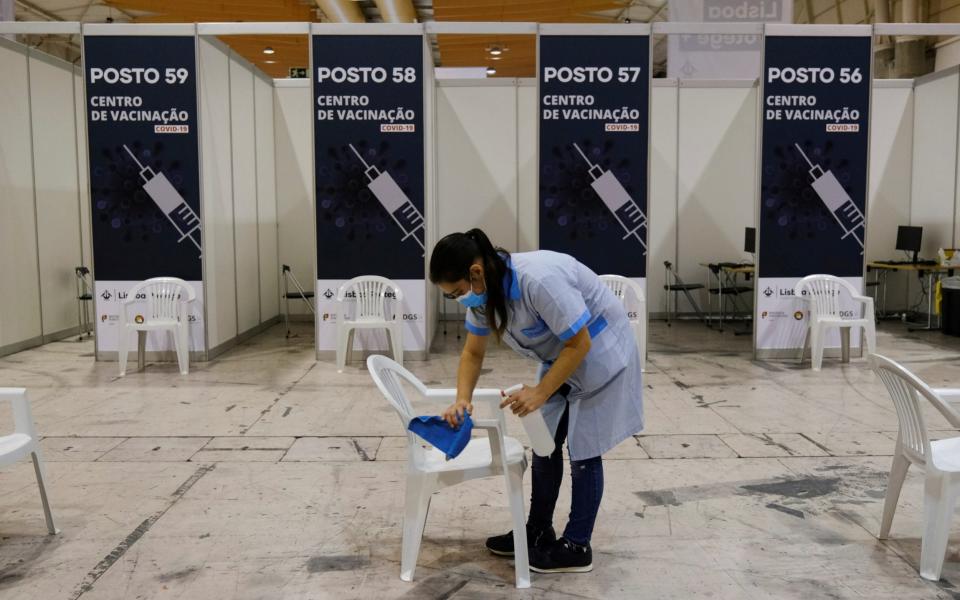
57, 191
527, 192
266, 200
891, 147
294, 171
477, 161
215, 157
242, 121
20, 293
933, 186
83, 170
662, 202
717, 165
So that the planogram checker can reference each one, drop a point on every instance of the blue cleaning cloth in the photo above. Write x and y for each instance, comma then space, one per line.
449, 440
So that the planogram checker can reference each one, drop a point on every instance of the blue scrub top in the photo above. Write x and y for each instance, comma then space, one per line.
550, 298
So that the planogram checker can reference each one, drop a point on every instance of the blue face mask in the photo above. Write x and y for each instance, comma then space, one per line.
472, 299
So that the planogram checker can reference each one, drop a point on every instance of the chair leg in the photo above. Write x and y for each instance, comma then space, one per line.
804, 345
816, 346
870, 333
514, 479
417, 505
396, 341
938, 501
122, 337
38, 469
343, 346
183, 350
845, 344
898, 473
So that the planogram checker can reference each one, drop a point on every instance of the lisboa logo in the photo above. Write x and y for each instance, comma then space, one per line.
328, 294
768, 292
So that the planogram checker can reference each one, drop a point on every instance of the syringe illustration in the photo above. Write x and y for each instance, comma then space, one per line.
170, 202
618, 201
837, 200
401, 209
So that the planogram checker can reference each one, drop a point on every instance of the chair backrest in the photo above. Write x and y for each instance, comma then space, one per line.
824, 293
622, 286
166, 297
905, 390
22, 419
388, 375
370, 293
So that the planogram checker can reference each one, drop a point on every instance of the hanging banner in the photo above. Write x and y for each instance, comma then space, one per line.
594, 87
721, 55
368, 105
813, 182
141, 97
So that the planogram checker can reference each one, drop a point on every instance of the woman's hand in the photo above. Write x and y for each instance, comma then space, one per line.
456, 411
525, 401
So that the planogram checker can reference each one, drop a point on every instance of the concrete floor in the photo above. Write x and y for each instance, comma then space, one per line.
265, 474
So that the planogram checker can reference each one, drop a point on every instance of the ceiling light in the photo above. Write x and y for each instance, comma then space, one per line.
491, 71
270, 62
496, 50
268, 50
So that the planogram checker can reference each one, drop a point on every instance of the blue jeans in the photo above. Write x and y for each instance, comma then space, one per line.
587, 481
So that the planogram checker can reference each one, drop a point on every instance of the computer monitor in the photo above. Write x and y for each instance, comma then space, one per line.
908, 239
750, 240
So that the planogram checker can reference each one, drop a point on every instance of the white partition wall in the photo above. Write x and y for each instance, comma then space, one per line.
527, 164
57, 190
891, 164
217, 181
41, 222
266, 198
246, 249
241, 271
663, 190
292, 110
717, 153
934, 181
20, 324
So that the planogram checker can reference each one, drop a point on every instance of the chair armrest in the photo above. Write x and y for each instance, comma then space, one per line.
490, 395
22, 419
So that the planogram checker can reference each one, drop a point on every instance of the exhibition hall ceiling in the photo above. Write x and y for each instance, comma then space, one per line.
509, 56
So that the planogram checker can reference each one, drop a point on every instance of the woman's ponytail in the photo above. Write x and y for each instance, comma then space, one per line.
451, 261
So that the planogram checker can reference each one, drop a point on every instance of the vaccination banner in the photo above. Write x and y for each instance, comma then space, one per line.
141, 97
368, 105
813, 182
594, 133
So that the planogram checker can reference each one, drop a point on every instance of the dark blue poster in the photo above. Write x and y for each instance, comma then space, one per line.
813, 174
368, 145
594, 99
141, 96
813, 183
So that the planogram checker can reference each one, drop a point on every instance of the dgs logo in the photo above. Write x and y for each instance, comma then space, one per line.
846, 313
413, 317
633, 314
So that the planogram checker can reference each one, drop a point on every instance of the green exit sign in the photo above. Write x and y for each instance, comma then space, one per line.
298, 72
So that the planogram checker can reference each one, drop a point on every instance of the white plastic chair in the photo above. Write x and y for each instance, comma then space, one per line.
940, 461
619, 286
370, 295
428, 471
166, 299
823, 294
22, 442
